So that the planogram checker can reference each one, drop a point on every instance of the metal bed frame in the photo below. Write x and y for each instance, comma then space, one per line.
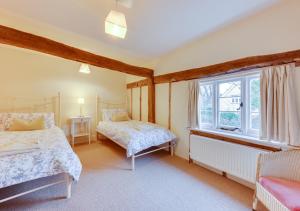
168, 145
55, 104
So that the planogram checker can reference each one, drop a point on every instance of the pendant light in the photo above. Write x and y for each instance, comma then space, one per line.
84, 68
115, 24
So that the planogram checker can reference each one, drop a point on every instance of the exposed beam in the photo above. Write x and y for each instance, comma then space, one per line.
230, 66
151, 100
137, 84
10, 36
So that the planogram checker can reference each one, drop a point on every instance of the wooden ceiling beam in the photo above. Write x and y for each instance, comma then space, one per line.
14, 37
230, 66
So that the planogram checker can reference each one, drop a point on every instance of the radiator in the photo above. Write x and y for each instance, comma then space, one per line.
237, 160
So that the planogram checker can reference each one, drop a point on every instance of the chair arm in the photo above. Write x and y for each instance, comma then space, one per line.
284, 164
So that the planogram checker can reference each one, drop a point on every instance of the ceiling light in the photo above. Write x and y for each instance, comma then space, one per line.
125, 3
84, 68
115, 24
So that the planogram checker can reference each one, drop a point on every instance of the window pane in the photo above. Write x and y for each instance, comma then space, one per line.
255, 94
206, 104
229, 104
231, 119
255, 121
255, 104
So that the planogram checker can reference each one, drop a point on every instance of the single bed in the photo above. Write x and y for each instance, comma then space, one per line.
31, 155
136, 137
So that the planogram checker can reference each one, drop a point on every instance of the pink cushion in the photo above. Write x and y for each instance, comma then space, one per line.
286, 191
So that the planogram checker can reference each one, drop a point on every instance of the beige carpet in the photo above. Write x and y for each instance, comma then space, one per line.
160, 182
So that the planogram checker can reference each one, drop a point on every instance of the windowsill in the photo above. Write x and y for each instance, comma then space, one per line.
242, 139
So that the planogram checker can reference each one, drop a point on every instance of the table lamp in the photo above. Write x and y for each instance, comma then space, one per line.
81, 102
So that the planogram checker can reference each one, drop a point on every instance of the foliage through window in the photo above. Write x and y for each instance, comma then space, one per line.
231, 104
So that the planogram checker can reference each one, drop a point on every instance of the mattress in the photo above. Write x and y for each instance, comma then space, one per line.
53, 156
135, 136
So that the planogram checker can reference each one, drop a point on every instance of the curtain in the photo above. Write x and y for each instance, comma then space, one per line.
193, 88
279, 117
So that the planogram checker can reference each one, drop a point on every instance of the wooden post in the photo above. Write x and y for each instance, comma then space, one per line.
131, 96
170, 105
151, 100
140, 103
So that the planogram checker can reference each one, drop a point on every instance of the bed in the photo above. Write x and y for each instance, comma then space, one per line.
31, 155
136, 137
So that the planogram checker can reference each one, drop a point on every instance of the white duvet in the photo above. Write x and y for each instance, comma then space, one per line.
36, 154
135, 136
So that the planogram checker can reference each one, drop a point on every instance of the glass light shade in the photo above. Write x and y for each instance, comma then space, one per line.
84, 68
80, 101
115, 24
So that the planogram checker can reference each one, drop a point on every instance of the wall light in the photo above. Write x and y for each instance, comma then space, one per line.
84, 68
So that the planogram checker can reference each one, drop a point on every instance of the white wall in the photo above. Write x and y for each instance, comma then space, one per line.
28, 74
271, 31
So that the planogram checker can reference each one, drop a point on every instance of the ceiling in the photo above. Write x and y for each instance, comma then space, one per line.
155, 27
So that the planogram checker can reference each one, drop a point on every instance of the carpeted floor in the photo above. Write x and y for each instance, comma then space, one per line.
160, 182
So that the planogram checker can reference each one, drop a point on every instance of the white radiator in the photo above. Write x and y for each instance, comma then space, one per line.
234, 159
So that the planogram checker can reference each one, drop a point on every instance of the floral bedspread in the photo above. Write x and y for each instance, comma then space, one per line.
54, 156
135, 136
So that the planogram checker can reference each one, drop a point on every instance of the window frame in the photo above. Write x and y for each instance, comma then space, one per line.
250, 131
206, 125
245, 112
217, 105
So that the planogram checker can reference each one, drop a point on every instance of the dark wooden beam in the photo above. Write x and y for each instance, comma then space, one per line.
151, 100
230, 66
233, 140
137, 84
10, 36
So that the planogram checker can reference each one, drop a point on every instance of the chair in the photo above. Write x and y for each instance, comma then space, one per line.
278, 181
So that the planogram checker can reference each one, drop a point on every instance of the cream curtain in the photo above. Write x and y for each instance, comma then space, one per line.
193, 88
279, 117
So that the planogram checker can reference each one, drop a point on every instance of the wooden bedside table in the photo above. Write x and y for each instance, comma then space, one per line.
80, 126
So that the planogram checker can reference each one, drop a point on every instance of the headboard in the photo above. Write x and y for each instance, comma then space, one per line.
32, 105
100, 104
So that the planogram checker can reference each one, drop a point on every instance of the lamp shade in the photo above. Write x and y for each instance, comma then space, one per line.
80, 100
84, 68
115, 24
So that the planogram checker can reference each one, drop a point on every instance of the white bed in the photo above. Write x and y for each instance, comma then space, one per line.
30, 155
52, 156
136, 137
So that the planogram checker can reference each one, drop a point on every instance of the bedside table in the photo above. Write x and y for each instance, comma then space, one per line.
80, 126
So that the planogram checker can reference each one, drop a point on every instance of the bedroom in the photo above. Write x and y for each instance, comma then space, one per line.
32, 73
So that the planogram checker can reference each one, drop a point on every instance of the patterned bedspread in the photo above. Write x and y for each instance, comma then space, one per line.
54, 156
135, 136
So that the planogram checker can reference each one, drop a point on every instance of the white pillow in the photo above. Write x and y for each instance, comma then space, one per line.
108, 113
7, 118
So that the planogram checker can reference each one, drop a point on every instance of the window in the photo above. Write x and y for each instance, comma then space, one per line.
206, 105
231, 104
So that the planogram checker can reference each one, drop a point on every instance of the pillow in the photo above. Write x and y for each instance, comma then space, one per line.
119, 117
24, 125
3, 118
7, 118
108, 113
